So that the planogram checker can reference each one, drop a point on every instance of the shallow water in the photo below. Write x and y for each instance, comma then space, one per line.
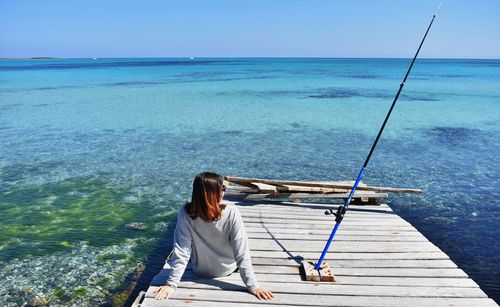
91, 146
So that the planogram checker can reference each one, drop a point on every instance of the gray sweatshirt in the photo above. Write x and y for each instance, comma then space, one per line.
216, 248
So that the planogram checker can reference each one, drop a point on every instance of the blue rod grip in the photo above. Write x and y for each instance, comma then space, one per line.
355, 186
332, 234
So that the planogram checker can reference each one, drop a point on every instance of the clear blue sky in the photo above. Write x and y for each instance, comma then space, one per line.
252, 28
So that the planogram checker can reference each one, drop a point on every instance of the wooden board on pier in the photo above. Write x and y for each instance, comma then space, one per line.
378, 259
287, 185
258, 189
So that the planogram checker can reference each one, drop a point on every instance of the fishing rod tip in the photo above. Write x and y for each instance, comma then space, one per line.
439, 7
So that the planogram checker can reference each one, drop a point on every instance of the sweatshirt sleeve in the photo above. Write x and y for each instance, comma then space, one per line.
181, 249
241, 251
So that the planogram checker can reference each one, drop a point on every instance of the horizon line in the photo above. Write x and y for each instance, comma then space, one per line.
240, 57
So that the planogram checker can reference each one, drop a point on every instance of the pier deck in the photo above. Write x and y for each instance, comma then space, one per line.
377, 257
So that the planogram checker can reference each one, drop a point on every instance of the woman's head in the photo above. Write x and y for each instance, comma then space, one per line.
208, 191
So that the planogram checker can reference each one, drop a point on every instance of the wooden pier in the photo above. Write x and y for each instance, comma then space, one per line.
378, 259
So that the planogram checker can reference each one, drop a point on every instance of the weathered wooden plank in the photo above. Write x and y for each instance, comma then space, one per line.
348, 225
318, 300
355, 271
324, 230
319, 229
358, 194
298, 188
302, 207
349, 280
318, 216
341, 231
173, 302
265, 188
267, 193
364, 263
336, 255
342, 185
316, 209
303, 233
392, 302
322, 219
344, 246
315, 214
361, 271
402, 272
318, 212
339, 237
320, 234
347, 220
332, 288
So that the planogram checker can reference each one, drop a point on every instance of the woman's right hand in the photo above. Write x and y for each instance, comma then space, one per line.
164, 292
263, 294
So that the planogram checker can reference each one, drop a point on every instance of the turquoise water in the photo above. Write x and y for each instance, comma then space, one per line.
91, 146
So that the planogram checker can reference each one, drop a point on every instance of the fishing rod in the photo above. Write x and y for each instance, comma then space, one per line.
341, 210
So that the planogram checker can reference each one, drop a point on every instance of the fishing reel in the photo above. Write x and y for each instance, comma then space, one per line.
339, 215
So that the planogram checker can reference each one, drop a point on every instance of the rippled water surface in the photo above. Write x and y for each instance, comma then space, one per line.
96, 156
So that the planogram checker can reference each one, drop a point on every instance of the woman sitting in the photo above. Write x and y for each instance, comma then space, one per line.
212, 235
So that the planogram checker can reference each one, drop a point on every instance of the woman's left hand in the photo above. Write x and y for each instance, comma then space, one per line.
264, 294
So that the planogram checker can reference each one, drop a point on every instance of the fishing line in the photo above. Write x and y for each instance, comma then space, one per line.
341, 210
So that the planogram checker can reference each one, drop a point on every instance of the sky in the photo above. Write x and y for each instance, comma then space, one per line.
251, 28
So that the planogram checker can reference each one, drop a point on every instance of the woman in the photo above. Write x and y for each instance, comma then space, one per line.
212, 235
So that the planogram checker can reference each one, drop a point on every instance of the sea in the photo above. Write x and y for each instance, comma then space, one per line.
98, 155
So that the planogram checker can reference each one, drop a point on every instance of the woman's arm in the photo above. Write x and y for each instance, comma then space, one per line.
181, 251
241, 252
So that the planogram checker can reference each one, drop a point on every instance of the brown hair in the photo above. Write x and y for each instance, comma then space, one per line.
207, 193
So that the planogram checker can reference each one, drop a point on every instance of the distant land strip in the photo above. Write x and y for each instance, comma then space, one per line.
33, 58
